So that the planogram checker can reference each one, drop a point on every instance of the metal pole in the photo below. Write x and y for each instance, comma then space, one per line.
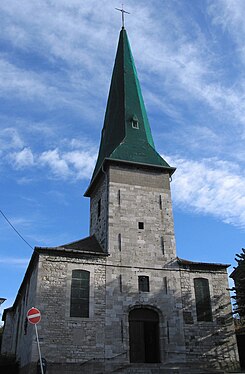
39, 350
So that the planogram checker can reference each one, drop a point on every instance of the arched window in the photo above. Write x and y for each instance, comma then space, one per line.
203, 302
80, 294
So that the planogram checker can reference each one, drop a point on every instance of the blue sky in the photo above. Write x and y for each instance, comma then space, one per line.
56, 59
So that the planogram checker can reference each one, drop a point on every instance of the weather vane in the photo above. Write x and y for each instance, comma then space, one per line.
123, 11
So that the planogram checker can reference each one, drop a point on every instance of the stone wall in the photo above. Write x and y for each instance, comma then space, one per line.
66, 339
103, 338
215, 341
101, 342
99, 222
123, 295
138, 195
7, 338
21, 333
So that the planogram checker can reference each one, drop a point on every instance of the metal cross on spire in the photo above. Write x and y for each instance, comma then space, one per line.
123, 11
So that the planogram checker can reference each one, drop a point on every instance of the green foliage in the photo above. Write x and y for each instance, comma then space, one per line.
239, 288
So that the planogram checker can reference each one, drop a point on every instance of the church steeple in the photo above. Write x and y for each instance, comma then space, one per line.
126, 134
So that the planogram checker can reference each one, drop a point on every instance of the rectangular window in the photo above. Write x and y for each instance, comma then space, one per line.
119, 197
80, 294
122, 331
143, 282
119, 242
162, 245
141, 225
25, 326
168, 335
99, 208
160, 202
203, 301
120, 282
165, 285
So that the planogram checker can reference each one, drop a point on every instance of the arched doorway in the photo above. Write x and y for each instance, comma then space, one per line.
144, 335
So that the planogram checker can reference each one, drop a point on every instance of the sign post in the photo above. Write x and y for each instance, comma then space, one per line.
44, 365
34, 317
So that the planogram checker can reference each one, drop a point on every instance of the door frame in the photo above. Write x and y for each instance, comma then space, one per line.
153, 317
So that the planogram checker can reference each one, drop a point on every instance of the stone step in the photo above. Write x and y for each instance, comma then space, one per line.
161, 369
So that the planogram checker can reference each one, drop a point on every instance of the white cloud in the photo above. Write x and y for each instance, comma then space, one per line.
74, 158
22, 222
210, 187
10, 139
30, 86
48, 19
22, 158
12, 261
82, 162
63, 165
19, 81
55, 162
230, 16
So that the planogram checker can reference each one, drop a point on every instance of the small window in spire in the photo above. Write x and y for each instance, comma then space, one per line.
135, 122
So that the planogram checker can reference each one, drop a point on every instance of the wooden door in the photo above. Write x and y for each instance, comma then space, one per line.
144, 335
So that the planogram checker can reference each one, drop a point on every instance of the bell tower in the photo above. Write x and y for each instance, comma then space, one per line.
131, 209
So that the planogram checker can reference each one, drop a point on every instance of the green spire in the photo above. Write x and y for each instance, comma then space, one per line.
126, 134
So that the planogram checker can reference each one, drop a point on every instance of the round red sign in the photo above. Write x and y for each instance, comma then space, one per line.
34, 316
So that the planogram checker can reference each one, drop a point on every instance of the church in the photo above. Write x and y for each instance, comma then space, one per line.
120, 300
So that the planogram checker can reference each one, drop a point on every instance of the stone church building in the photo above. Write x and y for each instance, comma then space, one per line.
120, 300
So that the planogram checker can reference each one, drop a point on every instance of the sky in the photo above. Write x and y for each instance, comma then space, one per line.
56, 60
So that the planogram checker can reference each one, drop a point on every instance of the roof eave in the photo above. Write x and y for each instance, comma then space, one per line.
195, 264
63, 250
